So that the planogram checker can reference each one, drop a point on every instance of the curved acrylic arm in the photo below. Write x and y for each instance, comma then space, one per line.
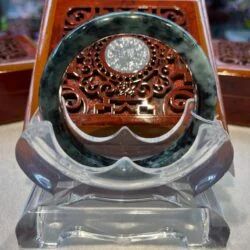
42, 159
133, 145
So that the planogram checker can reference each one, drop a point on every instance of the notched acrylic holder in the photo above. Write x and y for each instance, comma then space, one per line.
123, 203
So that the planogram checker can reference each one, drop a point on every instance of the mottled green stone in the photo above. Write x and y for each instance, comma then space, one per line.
129, 23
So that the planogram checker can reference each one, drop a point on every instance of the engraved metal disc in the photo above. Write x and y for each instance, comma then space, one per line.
127, 54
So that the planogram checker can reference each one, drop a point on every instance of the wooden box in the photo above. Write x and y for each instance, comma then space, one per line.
233, 65
17, 55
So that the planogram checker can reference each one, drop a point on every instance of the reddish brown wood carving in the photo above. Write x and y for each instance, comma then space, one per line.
78, 15
158, 91
234, 53
10, 48
61, 16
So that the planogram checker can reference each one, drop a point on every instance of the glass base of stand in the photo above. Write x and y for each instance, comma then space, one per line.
86, 215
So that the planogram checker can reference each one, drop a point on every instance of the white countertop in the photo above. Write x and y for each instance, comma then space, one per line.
233, 193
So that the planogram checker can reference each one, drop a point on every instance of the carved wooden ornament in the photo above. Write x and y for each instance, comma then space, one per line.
127, 80
237, 53
77, 15
10, 48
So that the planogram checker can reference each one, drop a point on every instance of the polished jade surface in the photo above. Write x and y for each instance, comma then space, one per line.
129, 23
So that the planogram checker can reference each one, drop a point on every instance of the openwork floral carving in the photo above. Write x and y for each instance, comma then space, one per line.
78, 15
159, 90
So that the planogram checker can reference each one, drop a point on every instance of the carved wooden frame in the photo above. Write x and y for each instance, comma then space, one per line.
158, 92
57, 21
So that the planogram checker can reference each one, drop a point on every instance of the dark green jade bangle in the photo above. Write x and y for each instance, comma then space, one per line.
133, 25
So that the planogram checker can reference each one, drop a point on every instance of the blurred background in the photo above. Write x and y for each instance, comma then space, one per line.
229, 19
21, 17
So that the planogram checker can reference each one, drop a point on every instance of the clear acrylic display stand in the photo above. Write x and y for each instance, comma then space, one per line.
123, 203
87, 215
